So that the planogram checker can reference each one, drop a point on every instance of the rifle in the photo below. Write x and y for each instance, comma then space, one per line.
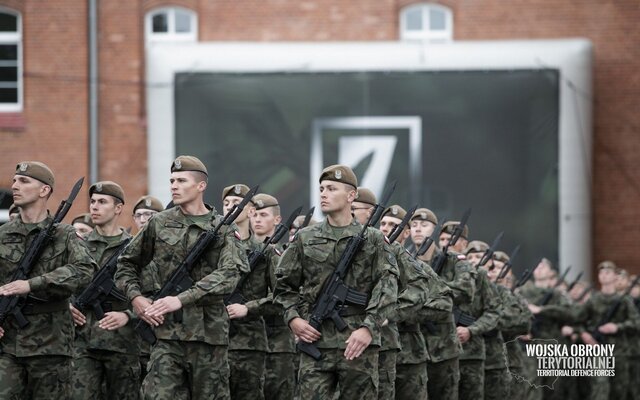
397, 230
438, 263
426, 245
307, 219
575, 282
180, 280
255, 257
528, 273
611, 312
335, 294
584, 293
102, 285
488, 253
12, 305
508, 265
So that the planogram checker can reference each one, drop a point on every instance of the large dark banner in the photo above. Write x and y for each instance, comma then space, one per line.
453, 140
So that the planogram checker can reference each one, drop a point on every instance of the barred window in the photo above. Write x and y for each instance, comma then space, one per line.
11, 80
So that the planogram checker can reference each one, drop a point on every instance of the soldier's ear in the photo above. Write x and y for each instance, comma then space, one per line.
202, 186
278, 219
351, 193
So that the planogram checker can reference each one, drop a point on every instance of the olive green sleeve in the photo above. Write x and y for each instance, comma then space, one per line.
288, 275
385, 290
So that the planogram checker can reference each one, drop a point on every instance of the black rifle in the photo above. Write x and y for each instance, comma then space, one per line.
528, 273
488, 253
575, 282
180, 279
307, 219
12, 305
335, 293
440, 261
102, 285
611, 312
584, 293
255, 257
397, 230
508, 265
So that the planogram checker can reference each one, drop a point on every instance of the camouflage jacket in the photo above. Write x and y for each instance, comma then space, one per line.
311, 259
515, 321
159, 248
495, 349
485, 310
249, 333
547, 324
459, 275
64, 266
91, 336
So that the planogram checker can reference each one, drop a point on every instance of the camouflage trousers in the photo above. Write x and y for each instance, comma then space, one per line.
633, 391
356, 379
186, 370
280, 376
613, 388
444, 379
497, 384
518, 387
247, 374
411, 381
105, 375
529, 371
37, 377
387, 374
471, 380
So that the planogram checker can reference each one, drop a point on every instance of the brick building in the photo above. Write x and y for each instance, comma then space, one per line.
45, 109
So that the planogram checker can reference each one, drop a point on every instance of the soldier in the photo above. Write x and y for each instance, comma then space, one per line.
191, 352
83, 225
106, 350
145, 208
297, 225
35, 361
363, 205
349, 358
247, 335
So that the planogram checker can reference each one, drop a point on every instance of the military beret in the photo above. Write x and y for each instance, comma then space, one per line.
107, 187
501, 256
263, 200
449, 226
188, 163
607, 265
339, 173
238, 190
36, 170
394, 211
476, 246
426, 215
84, 219
148, 203
364, 195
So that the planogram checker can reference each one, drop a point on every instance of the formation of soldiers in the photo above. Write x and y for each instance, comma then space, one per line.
346, 308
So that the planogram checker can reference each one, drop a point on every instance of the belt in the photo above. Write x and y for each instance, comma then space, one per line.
33, 308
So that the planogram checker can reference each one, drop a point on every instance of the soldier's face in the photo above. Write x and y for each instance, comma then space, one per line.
495, 271
607, 276
388, 224
263, 221
142, 215
229, 202
103, 209
444, 239
185, 188
335, 196
474, 257
361, 211
421, 230
82, 229
27, 190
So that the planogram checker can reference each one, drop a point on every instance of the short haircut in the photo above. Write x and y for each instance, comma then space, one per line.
199, 176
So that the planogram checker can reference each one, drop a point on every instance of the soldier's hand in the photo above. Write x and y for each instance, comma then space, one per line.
358, 341
609, 328
15, 288
1, 332
463, 334
113, 320
534, 308
566, 330
587, 338
78, 317
303, 330
237, 311
525, 338
140, 305
164, 306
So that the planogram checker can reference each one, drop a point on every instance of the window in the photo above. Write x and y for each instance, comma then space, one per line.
425, 21
10, 61
172, 24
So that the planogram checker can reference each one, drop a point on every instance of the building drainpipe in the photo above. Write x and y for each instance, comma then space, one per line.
94, 137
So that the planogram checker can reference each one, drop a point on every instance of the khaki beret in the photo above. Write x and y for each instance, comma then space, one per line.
109, 188
238, 190
425, 214
188, 163
607, 265
364, 195
501, 256
148, 203
394, 211
448, 227
476, 246
36, 170
263, 200
84, 219
339, 173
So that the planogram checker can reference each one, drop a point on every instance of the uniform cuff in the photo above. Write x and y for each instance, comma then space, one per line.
187, 297
370, 323
252, 307
291, 314
37, 283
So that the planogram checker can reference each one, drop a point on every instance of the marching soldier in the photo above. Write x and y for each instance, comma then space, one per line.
83, 225
145, 208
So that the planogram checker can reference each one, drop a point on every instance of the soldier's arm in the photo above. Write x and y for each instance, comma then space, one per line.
385, 290
75, 273
288, 274
516, 317
631, 322
136, 256
262, 305
491, 311
231, 264
464, 283
412, 297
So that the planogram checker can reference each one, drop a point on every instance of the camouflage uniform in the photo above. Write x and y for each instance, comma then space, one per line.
634, 361
191, 355
515, 321
484, 309
303, 269
101, 356
445, 349
35, 361
247, 336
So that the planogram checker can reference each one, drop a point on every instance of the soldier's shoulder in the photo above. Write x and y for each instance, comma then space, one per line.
376, 235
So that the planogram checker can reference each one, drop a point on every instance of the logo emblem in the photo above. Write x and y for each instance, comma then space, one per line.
338, 174
423, 215
237, 189
394, 210
23, 166
98, 187
177, 164
260, 203
147, 202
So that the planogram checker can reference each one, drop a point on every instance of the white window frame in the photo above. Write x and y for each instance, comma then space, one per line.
427, 34
171, 35
14, 38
